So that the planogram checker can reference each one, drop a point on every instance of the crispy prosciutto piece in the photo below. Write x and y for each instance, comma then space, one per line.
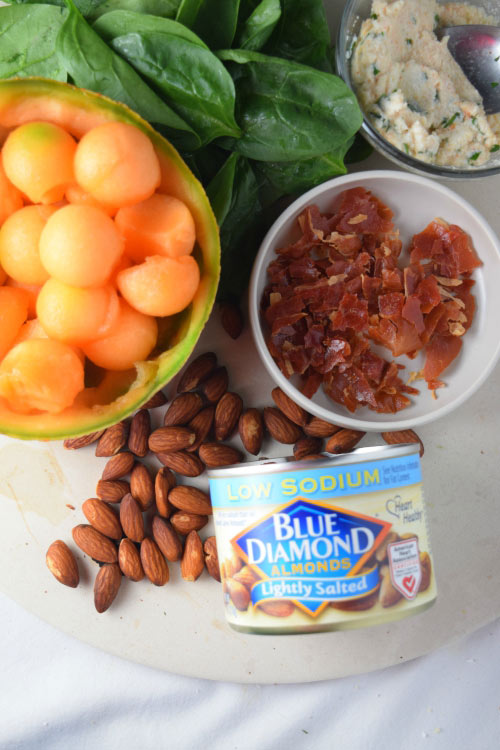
448, 246
440, 352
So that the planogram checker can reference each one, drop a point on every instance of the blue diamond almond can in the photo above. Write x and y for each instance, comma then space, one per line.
329, 544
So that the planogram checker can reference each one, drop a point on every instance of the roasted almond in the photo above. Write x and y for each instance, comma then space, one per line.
278, 608
166, 538
246, 576
112, 490
164, 481
215, 386
129, 560
193, 559
280, 427
239, 594
227, 413
403, 436
251, 430
131, 518
184, 522
171, 439
159, 399
196, 371
62, 564
106, 585
219, 454
73, 444
191, 500
102, 517
140, 429
94, 544
307, 446
154, 564
183, 463
182, 409
290, 409
201, 424
112, 440
231, 319
211, 557
344, 441
317, 427
118, 466
142, 487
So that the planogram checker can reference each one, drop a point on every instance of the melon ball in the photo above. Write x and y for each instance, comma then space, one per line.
77, 195
3, 276
32, 329
13, 313
38, 160
130, 340
116, 163
80, 245
74, 315
160, 286
41, 375
160, 225
31, 292
10, 197
19, 244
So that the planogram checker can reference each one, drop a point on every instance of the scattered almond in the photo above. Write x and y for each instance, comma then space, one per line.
193, 560
112, 440
62, 564
184, 522
280, 427
403, 436
317, 427
251, 430
142, 487
290, 409
218, 454
231, 319
201, 424
171, 439
112, 490
159, 399
182, 409
118, 466
196, 371
164, 481
211, 557
191, 500
129, 560
102, 517
306, 446
106, 585
140, 428
72, 444
344, 441
166, 538
215, 386
94, 544
183, 463
227, 413
131, 518
154, 564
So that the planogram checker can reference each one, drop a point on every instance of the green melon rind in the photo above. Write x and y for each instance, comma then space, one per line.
28, 99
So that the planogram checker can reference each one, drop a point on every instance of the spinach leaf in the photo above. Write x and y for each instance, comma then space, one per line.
216, 22
161, 8
28, 41
288, 111
85, 7
259, 25
187, 12
93, 65
302, 34
191, 79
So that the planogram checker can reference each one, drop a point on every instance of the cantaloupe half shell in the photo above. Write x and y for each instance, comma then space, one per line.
118, 394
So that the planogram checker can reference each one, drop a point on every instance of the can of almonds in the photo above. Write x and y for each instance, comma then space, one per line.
329, 544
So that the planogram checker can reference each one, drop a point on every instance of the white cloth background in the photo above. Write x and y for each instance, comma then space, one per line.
59, 694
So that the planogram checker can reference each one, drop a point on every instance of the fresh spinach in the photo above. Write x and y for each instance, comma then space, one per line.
260, 24
216, 22
86, 7
161, 8
188, 11
302, 34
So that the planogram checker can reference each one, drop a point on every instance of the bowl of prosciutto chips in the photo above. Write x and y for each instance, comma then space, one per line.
374, 301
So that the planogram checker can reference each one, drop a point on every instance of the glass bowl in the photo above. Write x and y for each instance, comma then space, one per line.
355, 12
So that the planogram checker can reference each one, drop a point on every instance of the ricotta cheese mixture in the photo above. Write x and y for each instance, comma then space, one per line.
414, 92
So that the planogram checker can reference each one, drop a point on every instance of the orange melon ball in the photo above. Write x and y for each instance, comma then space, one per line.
41, 375
74, 315
13, 313
19, 244
31, 292
77, 195
160, 286
10, 197
131, 339
160, 225
80, 246
38, 160
32, 329
116, 163
3, 276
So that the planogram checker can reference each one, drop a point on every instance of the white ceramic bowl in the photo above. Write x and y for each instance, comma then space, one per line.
415, 201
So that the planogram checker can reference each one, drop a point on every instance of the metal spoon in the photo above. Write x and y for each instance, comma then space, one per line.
476, 49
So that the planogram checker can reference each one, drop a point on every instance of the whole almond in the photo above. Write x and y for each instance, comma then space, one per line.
154, 564
280, 427
317, 427
182, 409
219, 454
171, 439
211, 557
344, 441
102, 517
72, 444
201, 424
251, 430
106, 585
129, 560
184, 522
246, 576
118, 466
159, 399
112, 490
112, 440
215, 386
227, 413
290, 409
140, 429
142, 487
306, 446
239, 594
166, 538
62, 564
278, 608
403, 436
193, 559
131, 518
191, 500
164, 481
183, 463
231, 318
196, 371
94, 544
